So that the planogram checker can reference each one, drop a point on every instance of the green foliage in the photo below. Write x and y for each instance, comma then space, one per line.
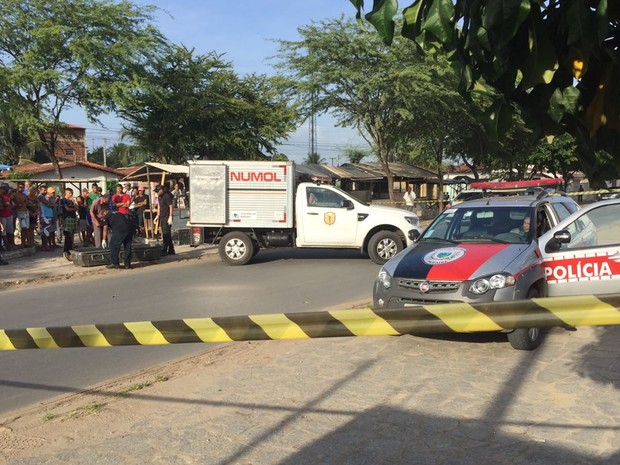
355, 155
558, 62
55, 55
117, 156
558, 156
195, 105
313, 159
19, 175
351, 74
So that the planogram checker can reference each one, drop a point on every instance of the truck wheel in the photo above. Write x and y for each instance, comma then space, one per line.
383, 246
526, 338
236, 248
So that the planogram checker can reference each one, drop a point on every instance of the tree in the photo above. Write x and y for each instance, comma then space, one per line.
13, 144
355, 155
436, 114
56, 55
558, 61
314, 159
351, 74
558, 155
194, 105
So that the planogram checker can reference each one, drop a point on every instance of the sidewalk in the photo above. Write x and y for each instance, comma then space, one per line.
32, 265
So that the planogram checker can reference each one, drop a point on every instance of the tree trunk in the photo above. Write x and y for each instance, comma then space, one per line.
49, 142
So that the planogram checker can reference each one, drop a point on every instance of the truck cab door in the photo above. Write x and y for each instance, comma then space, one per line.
581, 255
325, 217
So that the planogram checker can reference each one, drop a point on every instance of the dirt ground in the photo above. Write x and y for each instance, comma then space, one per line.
110, 408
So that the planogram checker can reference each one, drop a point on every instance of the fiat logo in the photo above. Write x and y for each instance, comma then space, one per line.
425, 287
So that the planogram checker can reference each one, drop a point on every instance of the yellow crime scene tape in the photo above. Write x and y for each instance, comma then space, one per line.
600, 191
587, 310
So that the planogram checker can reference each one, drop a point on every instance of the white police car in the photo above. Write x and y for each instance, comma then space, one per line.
484, 250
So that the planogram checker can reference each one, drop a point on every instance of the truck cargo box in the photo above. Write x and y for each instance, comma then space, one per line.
242, 194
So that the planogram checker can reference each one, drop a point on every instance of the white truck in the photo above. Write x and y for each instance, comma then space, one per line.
247, 205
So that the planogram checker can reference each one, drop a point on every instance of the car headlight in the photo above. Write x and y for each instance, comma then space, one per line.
384, 279
497, 281
413, 221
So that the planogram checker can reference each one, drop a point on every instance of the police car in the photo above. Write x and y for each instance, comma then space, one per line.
507, 248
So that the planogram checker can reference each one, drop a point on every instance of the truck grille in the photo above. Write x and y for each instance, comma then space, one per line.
434, 286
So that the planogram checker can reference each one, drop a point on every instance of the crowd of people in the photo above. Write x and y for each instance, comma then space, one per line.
94, 215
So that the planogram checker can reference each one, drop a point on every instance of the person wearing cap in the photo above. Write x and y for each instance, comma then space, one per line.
164, 216
122, 234
141, 201
95, 210
6, 218
51, 194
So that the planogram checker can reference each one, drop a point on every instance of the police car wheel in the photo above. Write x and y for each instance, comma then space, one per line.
236, 248
383, 246
526, 338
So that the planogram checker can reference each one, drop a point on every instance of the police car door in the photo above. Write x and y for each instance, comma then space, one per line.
326, 219
581, 255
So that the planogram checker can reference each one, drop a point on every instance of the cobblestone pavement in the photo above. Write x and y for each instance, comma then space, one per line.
467, 399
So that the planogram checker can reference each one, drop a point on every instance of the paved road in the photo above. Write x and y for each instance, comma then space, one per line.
278, 281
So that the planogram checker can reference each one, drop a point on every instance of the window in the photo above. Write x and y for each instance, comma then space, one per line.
320, 197
597, 228
69, 152
562, 210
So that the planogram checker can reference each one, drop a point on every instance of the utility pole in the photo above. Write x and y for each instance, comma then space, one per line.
312, 127
105, 143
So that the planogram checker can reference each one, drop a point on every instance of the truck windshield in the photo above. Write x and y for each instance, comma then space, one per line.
482, 224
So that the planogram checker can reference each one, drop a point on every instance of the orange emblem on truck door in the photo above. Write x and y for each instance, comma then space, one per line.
329, 218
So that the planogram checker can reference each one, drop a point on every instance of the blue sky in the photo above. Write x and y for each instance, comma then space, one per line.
243, 31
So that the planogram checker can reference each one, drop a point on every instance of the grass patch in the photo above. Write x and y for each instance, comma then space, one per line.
90, 409
140, 386
49, 416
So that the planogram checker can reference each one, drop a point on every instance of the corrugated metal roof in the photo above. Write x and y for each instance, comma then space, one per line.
314, 172
156, 168
353, 172
401, 170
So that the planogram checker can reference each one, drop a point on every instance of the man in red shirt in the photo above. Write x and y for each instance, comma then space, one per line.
121, 200
6, 217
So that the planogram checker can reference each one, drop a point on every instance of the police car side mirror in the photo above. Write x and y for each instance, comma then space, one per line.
348, 204
559, 238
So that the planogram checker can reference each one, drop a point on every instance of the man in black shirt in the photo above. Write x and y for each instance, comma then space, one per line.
122, 233
164, 214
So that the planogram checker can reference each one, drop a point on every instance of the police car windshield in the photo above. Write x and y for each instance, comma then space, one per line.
482, 224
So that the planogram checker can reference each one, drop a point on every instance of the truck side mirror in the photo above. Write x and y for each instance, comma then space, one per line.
347, 204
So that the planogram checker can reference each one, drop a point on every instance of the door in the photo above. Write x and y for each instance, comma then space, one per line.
588, 259
327, 218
